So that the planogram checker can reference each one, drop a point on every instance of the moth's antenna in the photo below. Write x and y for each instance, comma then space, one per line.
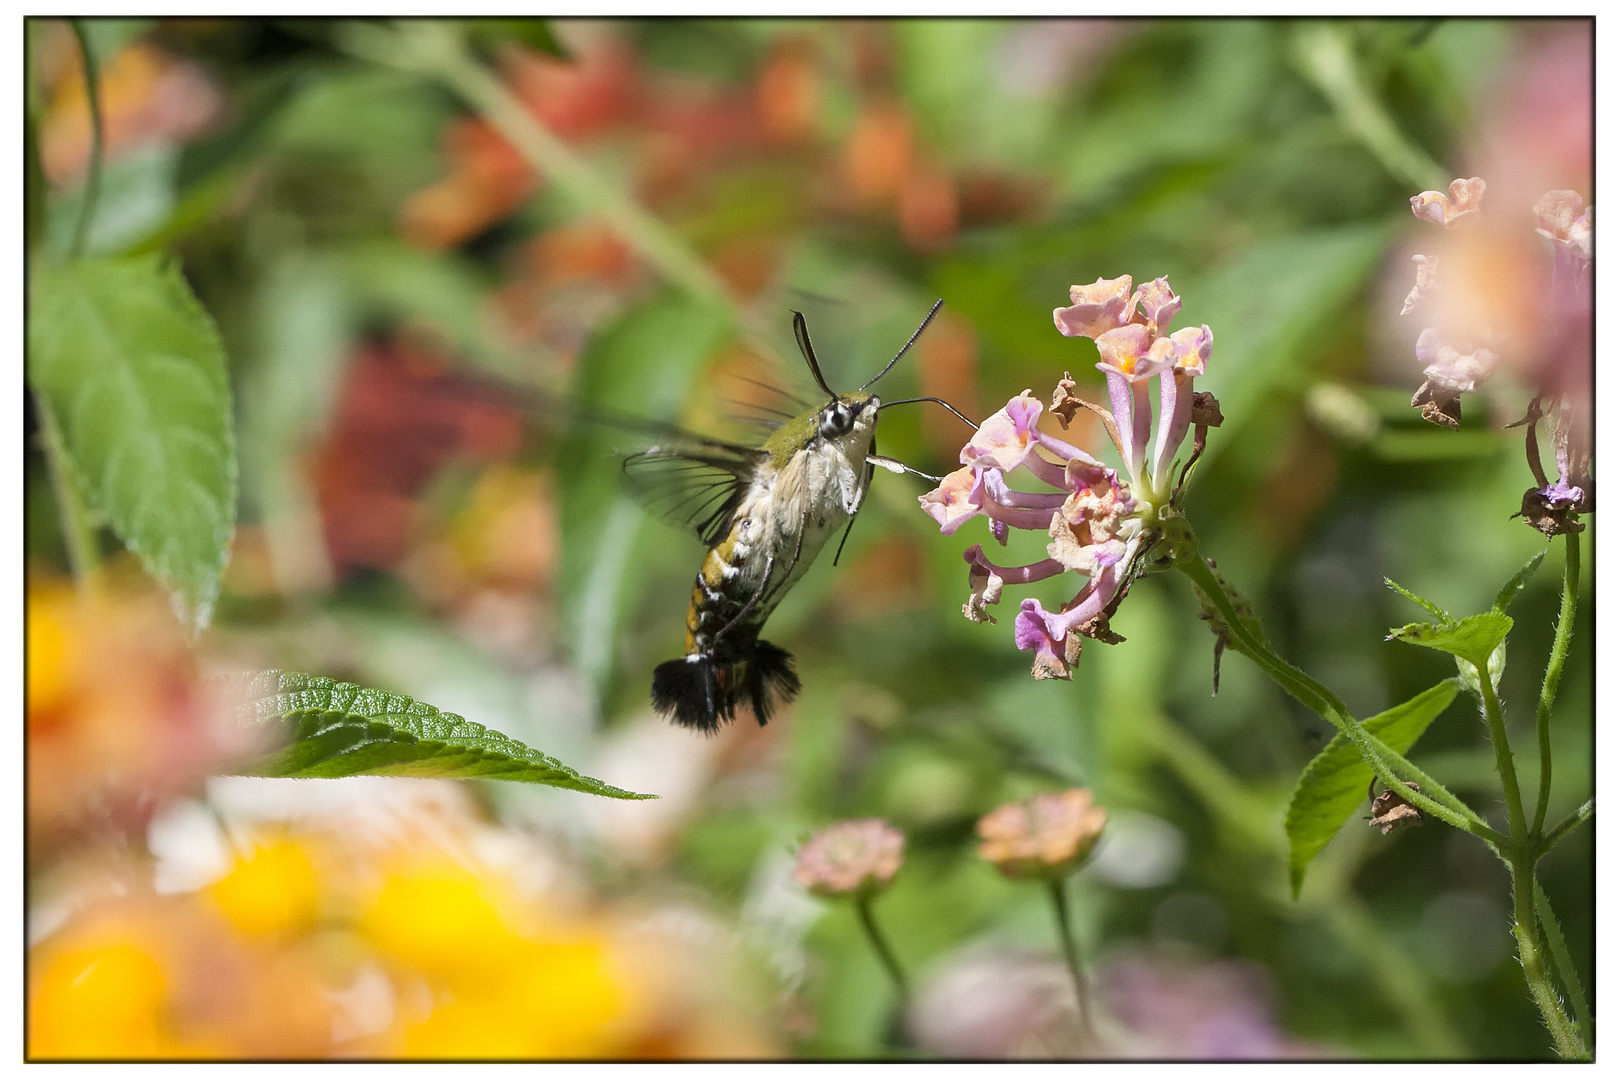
936, 401
802, 334
928, 319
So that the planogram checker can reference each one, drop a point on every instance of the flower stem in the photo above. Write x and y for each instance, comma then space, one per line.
885, 955
1071, 956
1516, 848
1521, 863
92, 184
1555, 673
1565, 965
1504, 758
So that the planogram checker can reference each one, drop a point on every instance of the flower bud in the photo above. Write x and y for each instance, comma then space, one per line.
1047, 836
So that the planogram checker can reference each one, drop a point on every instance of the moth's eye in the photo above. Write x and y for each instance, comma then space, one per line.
836, 420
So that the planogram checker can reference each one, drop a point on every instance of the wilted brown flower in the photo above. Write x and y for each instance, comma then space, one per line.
1390, 811
850, 857
1045, 836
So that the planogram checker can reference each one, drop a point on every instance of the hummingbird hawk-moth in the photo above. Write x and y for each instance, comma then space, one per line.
765, 514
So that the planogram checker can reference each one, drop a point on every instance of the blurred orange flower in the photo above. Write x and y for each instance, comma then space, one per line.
1044, 836
488, 178
146, 96
789, 91
878, 155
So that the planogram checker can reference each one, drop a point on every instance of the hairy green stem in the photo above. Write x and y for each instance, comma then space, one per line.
78, 526
1580, 815
92, 183
1071, 956
1522, 863
1517, 833
885, 955
1555, 673
1565, 966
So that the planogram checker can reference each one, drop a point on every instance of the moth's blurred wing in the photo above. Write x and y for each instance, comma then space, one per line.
693, 484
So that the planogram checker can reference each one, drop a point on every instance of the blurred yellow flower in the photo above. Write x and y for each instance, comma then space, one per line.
106, 996
500, 990
49, 658
438, 918
274, 891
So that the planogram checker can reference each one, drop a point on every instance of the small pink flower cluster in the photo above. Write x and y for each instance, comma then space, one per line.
1129, 328
851, 857
1094, 518
1464, 350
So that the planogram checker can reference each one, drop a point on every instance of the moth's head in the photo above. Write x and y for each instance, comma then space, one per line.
840, 416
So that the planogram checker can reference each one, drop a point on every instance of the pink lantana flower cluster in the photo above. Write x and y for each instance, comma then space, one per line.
1098, 519
1472, 308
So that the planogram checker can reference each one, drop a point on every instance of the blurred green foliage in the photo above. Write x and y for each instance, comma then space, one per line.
1198, 149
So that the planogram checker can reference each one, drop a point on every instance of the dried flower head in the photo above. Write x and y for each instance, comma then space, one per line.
1390, 810
850, 857
1042, 837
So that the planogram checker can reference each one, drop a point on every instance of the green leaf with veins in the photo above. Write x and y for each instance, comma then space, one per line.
132, 370
338, 729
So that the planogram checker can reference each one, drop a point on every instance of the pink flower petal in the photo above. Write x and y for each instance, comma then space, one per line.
1005, 439
959, 497
1097, 308
1032, 629
1125, 350
1190, 348
1157, 304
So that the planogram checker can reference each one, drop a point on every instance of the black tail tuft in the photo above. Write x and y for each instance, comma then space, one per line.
769, 676
698, 691
688, 691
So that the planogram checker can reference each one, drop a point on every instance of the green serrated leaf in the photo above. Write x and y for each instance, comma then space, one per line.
339, 729
1336, 780
1431, 608
1474, 638
132, 369
1517, 582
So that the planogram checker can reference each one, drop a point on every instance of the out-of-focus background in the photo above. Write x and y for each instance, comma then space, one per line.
385, 267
